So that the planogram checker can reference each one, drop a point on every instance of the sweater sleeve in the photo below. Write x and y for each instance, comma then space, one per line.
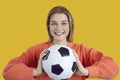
21, 68
99, 65
18, 72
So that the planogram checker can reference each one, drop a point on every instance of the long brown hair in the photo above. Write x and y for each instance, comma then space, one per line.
61, 9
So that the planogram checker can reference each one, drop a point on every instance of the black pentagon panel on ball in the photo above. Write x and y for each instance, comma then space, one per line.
74, 66
64, 51
57, 69
47, 52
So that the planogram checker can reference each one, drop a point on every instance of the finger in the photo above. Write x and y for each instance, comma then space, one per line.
42, 53
79, 64
47, 52
75, 54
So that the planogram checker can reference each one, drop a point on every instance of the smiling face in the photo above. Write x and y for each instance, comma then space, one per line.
63, 13
59, 27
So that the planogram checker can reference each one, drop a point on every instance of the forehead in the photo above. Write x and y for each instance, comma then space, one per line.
59, 17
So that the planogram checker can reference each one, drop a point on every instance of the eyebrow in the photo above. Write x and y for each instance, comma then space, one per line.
65, 21
62, 21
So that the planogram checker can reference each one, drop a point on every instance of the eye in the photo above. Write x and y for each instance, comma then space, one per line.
53, 24
64, 23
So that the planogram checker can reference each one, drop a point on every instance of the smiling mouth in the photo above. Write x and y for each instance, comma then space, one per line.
59, 33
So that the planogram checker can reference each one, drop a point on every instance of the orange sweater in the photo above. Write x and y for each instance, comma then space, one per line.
98, 65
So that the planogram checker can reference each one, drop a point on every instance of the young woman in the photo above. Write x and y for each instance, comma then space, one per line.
60, 26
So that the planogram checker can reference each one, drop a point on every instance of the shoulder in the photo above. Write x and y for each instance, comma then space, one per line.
78, 46
40, 46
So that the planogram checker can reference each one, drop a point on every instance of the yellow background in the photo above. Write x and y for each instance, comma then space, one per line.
22, 25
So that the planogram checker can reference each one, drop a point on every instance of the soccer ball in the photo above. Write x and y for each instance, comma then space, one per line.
59, 62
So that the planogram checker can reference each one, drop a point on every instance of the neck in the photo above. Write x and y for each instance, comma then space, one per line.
60, 42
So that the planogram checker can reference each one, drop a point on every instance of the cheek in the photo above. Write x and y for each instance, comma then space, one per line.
67, 30
51, 31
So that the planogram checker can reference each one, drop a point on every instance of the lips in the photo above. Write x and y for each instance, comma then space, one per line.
59, 33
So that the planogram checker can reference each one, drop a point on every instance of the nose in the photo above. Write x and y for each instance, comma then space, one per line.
59, 27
